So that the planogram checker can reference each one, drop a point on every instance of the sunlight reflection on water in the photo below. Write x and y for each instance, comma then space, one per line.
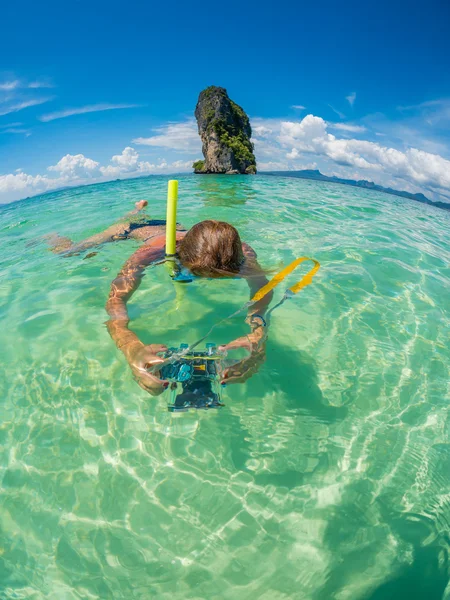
325, 476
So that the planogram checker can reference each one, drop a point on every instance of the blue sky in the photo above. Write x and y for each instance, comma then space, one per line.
97, 90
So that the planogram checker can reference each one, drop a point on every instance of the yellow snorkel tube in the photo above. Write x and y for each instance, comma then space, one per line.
171, 218
171, 239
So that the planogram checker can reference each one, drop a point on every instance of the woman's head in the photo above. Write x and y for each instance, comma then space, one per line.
212, 247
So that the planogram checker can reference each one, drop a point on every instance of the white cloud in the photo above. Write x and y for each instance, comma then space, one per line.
78, 169
433, 116
22, 185
298, 107
273, 165
348, 127
10, 125
15, 84
303, 133
182, 137
351, 98
411, 168
412, 132
338, 112
284, 166
126, 163
69, 112
40, 84
7, 86
12, 108
261, 131
293, 154
26, 132
427, 104
183, 164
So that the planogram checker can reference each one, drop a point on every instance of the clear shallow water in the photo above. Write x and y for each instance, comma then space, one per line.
326, 476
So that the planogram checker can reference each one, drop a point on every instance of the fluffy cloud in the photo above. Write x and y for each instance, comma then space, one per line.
19, 185
128, 163
182, 137
70, 170
293, 154
416, 169
305, 133
78, 169
261, 131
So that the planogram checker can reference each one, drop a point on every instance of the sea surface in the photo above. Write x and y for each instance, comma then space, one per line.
326, 476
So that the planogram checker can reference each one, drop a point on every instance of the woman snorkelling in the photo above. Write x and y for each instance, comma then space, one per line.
210, 249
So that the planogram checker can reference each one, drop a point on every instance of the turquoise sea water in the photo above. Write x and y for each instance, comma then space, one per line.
326, 476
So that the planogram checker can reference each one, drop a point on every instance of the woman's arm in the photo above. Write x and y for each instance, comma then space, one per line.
130, 276
65, 246
138, 355
256, 279
123, 287
254, 341
140, 205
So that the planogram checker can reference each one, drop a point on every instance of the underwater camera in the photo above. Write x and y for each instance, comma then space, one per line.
194, 377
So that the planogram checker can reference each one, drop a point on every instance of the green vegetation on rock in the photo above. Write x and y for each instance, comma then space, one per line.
238, 142
198, 165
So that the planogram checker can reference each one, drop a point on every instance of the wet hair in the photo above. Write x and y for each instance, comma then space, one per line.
212, 248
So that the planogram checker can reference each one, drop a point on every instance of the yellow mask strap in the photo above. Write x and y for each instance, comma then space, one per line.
306, 280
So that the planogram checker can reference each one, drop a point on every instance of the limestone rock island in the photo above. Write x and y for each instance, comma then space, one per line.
225, 131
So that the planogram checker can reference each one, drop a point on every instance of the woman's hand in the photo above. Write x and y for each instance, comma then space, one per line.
140, 359
254, 342
141, 204
250, 342
245, 368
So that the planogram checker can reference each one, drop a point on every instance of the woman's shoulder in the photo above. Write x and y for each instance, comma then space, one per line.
248, 251
250, 267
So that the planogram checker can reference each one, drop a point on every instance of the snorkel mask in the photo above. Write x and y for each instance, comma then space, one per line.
194, 377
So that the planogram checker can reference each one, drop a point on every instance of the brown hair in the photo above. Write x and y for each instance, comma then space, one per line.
212, 248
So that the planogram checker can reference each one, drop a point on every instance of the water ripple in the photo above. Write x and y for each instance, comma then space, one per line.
325, 476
